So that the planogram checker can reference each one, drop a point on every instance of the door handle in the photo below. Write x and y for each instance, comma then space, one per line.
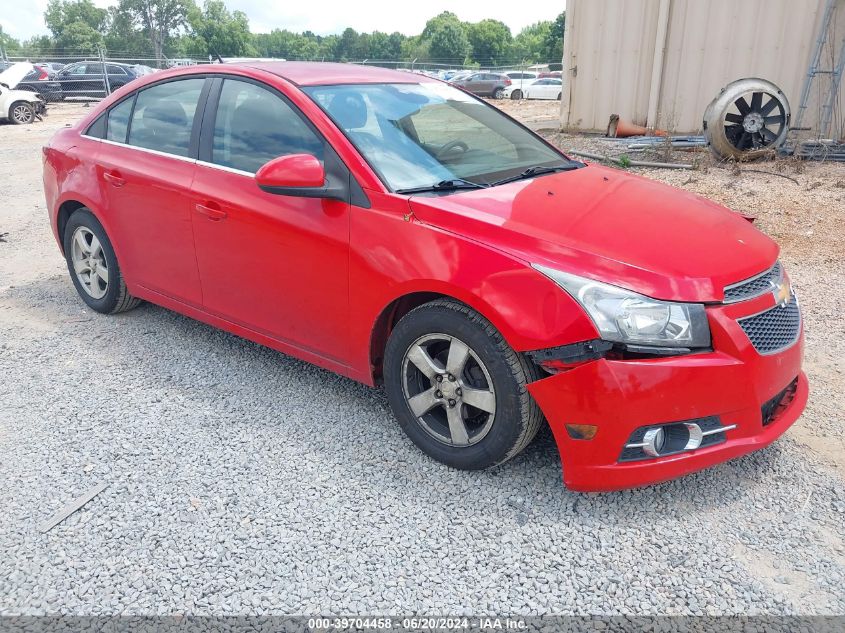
114, 178
210, 212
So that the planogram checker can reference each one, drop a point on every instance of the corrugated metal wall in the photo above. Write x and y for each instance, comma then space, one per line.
609, 57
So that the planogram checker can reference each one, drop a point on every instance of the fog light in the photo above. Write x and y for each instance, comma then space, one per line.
581, 431
653, 441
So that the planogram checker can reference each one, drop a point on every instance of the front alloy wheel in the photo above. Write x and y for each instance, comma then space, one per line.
457, 388
448, 389
22, 113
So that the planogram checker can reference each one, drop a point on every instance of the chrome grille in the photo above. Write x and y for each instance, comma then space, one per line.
754, 287
774, 329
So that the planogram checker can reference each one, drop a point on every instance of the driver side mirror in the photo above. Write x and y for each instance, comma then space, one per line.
297, 175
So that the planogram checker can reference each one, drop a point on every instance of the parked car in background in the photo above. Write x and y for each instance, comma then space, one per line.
519, 78
547, 88
54, 66
85, 79
18, 106
483, 84
397, 230
41, 79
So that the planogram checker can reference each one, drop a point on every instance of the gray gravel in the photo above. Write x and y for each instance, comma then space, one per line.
242, 481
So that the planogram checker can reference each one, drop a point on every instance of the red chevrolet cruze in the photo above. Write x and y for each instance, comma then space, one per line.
394, 229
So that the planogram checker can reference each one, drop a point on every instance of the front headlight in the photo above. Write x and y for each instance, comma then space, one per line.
626, 317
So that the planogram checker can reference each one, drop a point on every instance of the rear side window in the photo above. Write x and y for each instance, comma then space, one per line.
118, 121
164, 116
254, 125
115, 70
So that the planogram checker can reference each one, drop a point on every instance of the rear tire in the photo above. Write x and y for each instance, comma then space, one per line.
93, 266
468, 407
498, 93
516, 94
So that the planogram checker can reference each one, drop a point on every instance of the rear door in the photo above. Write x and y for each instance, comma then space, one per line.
146, 166
275, 264
118, 76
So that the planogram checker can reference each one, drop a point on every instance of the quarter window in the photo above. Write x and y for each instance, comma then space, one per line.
164, 116
254, 126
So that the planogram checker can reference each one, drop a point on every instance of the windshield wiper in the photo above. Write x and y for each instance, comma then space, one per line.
537, 170
450, 184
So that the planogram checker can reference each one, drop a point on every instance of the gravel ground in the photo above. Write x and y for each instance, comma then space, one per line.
241, 481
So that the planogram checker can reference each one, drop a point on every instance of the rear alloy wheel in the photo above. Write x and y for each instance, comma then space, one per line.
21, 113
498, 93
93, 265
516, 94
457, 388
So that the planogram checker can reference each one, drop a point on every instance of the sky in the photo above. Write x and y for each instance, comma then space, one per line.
24, 18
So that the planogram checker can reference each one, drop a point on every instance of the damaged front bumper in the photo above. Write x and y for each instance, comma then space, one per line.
737, 398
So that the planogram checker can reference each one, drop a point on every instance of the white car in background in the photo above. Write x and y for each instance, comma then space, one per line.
19, 106
521, 78
545, 88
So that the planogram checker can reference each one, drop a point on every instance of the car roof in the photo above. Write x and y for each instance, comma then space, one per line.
329, 73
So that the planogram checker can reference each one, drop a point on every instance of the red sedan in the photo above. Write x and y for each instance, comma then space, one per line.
396, 230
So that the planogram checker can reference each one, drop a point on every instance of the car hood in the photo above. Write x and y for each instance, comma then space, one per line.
15, 73
611, 226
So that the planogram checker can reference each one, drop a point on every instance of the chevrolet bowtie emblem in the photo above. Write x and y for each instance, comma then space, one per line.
782, 293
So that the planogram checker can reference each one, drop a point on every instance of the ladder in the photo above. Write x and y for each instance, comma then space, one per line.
813, 71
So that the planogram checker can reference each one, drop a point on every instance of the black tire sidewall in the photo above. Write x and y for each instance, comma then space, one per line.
108, 302
31, 113
509, 422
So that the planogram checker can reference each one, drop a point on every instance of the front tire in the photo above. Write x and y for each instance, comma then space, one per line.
457, 388
93, 265
516, 95
21, 113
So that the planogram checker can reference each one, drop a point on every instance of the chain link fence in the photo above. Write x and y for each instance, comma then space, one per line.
62, 75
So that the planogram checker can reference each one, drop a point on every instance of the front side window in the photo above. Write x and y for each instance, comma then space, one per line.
164, 116
118, 121
115, 70
418, 135
254, 125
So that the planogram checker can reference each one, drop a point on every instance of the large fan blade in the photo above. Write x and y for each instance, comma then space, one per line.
742, 106
756, 101
776, 118
734, 118
769, 106
768, 135
744, 140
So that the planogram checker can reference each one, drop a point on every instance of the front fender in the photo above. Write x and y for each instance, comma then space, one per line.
393, 255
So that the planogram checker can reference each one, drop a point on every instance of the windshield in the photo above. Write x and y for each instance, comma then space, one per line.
419, 135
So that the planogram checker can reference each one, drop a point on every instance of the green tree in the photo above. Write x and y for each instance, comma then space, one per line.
159, 20
215, 30
447, 39
446, 17
77, 25
62, 13
8, 43
123, 39
554, 40
530, 42
490, 41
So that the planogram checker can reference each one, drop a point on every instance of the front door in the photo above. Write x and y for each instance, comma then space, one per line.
146, 168
275, 264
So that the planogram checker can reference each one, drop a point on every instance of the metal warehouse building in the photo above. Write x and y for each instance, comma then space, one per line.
660, 62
